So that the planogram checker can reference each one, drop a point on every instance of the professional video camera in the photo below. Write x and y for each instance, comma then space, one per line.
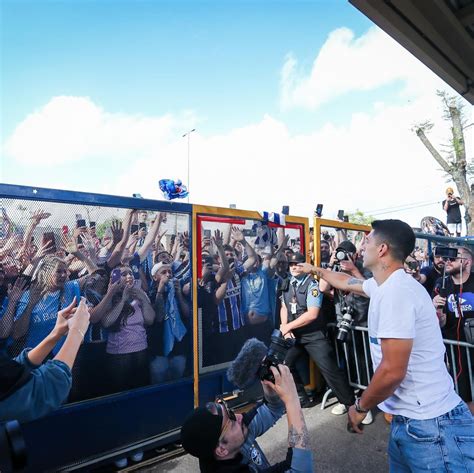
345, 323
254, 360
276, 355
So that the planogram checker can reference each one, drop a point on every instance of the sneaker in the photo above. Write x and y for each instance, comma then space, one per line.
339, 409
137, 457
368, 418
121, 462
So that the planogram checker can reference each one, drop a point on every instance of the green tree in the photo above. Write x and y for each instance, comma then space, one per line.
454, 162
102, 227
360, 218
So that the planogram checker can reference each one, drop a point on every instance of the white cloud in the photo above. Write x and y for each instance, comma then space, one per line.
373, 162
69, 129
347, 64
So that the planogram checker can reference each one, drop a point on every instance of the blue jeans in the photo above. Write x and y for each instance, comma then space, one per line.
442, 444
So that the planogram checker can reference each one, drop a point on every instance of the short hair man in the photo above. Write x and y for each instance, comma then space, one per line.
410, 381
225, 441
457, 309
451, 205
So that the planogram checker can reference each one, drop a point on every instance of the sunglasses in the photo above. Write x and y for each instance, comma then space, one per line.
220, 406
450, 259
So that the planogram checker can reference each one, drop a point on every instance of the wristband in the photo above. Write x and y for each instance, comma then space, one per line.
358, 408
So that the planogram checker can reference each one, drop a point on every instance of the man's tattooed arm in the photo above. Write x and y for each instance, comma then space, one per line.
354, 281
298, 437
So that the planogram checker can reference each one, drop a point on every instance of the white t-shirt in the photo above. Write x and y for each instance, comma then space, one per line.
402, 308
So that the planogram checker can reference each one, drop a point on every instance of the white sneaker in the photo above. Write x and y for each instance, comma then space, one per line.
368, 419
339, 409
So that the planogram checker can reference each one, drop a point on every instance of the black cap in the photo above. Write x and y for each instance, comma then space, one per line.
296, 258
200, 433
348, 246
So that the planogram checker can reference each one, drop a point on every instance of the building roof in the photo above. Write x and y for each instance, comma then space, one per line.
440, 33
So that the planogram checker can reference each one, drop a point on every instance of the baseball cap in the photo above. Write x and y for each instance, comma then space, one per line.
348, 246
200, 433
157, 267
296, 258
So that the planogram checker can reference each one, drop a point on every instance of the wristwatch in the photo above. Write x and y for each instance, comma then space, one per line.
358, 408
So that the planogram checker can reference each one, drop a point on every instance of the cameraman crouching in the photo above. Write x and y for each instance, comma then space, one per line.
225, 442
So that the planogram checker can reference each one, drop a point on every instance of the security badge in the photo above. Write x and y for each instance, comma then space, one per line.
256, 456
293, 307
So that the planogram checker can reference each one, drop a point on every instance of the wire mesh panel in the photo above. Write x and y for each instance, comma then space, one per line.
132, 267
242, 264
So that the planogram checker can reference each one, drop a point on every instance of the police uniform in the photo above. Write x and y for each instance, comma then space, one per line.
300, 295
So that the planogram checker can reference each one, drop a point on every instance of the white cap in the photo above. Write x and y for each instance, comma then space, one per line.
157, 267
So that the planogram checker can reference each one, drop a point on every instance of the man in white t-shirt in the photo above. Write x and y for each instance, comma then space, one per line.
432, 428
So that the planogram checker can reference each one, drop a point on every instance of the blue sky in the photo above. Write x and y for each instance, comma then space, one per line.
221, 59
95, 96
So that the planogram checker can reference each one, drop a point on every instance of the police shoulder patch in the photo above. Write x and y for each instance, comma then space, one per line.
315, 292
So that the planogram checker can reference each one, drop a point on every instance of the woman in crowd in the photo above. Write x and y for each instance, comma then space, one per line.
129, 314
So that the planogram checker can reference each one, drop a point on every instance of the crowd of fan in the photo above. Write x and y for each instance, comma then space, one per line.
135, 287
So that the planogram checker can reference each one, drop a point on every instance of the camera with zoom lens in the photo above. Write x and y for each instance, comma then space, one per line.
344, 325
279, 346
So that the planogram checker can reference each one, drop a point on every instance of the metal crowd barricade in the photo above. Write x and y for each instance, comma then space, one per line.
355, 358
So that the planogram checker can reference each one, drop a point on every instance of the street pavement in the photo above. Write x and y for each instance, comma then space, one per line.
334, 449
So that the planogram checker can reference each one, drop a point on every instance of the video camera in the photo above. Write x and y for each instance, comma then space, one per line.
345, 323
279, 346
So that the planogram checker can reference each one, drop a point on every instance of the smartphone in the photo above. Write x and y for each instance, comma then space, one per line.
285, 210
142, 225
115, 275
340, 215
49, 237
80, 223
134, 228
346, 218
65, 229
91, 224
207, 233
319, 210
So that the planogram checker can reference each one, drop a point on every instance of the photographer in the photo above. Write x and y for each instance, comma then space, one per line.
451, 205
30, 389
351, 309
225, 442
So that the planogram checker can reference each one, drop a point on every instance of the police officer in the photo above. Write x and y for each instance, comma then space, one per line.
301, 304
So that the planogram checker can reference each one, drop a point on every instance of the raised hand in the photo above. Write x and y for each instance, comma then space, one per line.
69, 244
218, 238
117, 231
39, 215
80, 320
16, 290
61, 328
237, 234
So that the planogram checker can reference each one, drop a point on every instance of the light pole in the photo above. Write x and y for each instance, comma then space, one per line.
188, 134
